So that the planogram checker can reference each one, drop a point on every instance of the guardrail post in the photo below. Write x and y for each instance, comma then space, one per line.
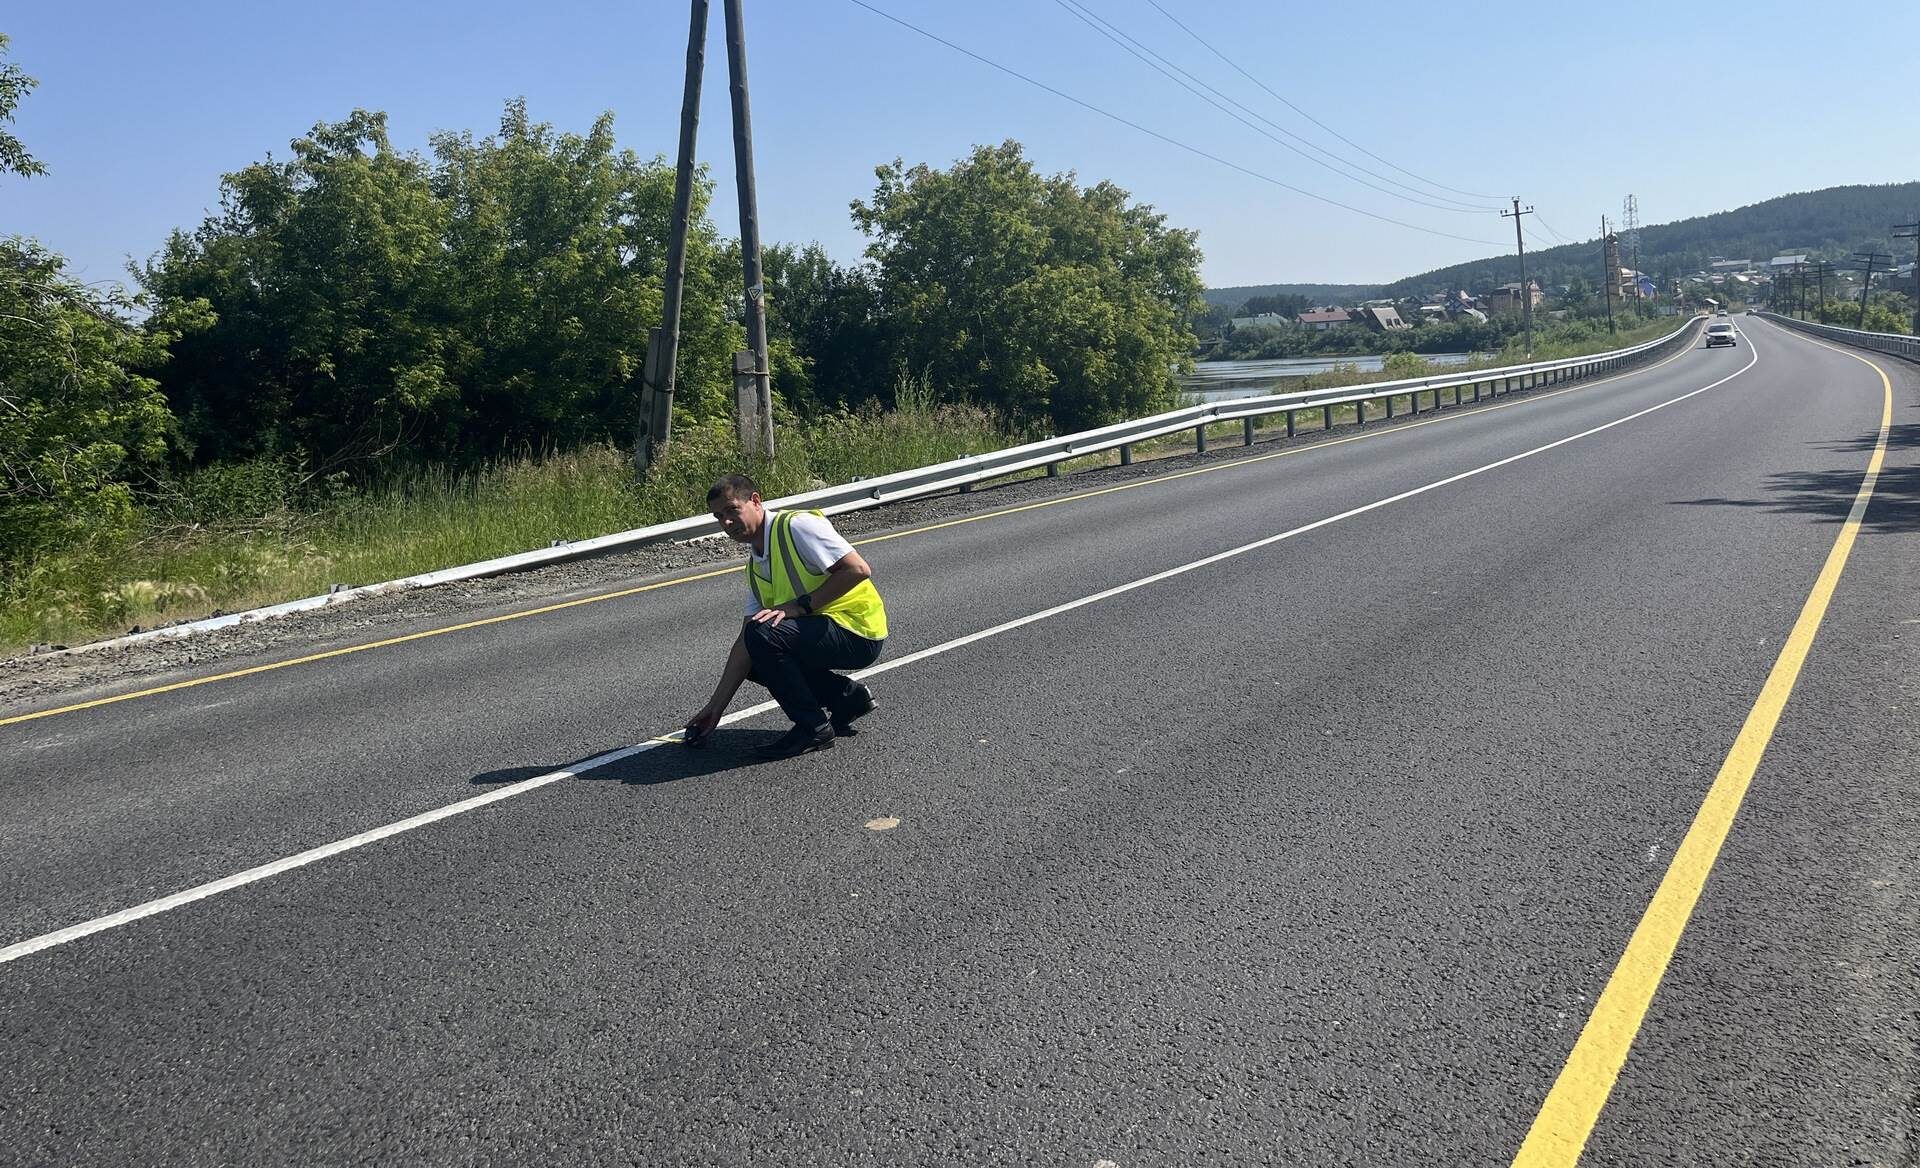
1290, 414
1326, 417
1126, 454
1476, 391
1389, 407
1246, 431
1360, 412
1200, 439
1053, 470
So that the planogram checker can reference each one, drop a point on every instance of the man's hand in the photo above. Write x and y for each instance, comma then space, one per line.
700, 726
776, 614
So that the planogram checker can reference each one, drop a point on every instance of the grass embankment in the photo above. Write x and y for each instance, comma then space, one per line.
234, 538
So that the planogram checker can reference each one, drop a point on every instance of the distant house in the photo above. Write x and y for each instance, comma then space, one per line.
1459, 303
1322, 319
1380, 319
1727, 267
1433, 311
1263, 320
1787, 261
1507, 296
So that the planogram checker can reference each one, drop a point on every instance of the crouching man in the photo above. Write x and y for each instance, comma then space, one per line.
811, 609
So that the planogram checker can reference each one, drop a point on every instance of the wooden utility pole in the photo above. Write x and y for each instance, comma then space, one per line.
1912, 231
1866, 281
1821, 270
752, 375
663, 344
1520, 242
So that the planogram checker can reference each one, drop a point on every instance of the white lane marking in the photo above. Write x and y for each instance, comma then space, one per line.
227, 884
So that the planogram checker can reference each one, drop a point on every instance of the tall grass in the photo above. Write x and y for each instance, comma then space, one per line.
236, 537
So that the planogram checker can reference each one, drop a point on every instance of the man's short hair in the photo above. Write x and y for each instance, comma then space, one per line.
735, 487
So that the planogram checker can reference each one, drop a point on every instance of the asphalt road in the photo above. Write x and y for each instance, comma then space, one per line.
1319, 853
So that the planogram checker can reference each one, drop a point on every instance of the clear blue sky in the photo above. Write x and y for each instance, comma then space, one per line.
143, 106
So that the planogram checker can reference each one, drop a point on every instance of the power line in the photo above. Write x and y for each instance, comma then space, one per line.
1168, 69
1303, 113
1549, 227
1171, 141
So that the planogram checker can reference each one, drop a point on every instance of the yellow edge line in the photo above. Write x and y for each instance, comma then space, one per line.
1560, 1131
1074, 498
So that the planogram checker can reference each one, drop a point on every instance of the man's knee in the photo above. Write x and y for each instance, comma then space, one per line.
763, 637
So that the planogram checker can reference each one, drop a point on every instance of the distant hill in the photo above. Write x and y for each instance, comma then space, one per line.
1828, 224
1317, 293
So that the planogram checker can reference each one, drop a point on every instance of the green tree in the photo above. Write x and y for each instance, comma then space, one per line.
556, 250
326, 274
831, 316
375, 305
14, 85
76, 424
1286, 304
1032, 295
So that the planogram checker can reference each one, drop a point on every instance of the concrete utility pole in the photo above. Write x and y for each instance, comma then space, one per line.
1912, 231
752, 375
1520, 242
1609, 267
1866, 281
663, 345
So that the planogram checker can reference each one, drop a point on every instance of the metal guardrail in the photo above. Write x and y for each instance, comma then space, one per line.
1897, 344
965, 473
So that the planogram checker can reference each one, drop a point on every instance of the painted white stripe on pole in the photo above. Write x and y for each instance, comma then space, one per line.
240, 879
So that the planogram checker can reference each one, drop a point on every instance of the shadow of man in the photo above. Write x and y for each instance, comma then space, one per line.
667, 762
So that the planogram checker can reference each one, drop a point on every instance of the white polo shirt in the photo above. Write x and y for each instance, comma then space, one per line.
815, 541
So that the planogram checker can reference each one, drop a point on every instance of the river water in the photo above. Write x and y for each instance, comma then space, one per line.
1220, 380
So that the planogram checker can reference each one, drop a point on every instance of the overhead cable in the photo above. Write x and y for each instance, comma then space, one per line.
1303, 113
1171, 141
1168, 69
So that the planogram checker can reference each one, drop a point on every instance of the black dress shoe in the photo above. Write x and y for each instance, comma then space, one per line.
797, 741
857, 704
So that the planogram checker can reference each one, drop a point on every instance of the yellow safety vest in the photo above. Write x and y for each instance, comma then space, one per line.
860, 611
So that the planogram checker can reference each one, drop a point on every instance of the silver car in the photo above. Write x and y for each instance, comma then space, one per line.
1720, 334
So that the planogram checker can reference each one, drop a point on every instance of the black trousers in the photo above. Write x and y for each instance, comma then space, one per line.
796, 659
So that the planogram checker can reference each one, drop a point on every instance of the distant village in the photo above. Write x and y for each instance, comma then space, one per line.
1721, 282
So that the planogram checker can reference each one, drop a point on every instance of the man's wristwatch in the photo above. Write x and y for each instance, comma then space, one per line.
805, 601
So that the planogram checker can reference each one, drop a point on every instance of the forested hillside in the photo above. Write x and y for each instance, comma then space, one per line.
1826, 224
1233, 298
